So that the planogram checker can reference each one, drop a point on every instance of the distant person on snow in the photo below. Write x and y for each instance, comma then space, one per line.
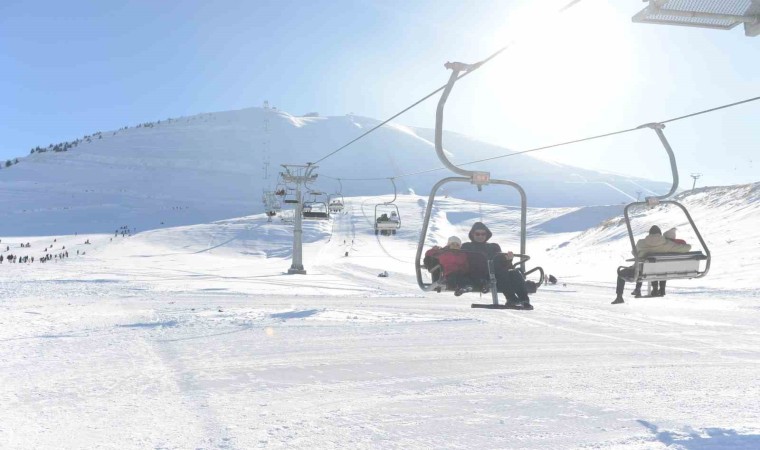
654, 242
454, 264
509, 280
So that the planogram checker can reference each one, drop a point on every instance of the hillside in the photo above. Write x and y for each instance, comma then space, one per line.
212, 166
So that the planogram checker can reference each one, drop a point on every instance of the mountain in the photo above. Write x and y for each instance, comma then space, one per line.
213, 166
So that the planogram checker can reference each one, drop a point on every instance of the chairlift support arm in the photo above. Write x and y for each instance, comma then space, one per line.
657, 128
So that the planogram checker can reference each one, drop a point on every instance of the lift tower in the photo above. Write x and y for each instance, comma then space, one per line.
298, 175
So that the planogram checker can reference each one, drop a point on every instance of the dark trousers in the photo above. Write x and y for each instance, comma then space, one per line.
457, 280
511, 283
628, 272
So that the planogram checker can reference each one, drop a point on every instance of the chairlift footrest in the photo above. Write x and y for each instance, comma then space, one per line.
489, 306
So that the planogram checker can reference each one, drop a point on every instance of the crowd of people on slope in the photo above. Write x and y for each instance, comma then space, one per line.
124, 231
463, 267
49, 254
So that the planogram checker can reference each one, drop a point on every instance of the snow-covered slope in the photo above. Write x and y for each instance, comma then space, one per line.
193, 337
212, 166
574, 243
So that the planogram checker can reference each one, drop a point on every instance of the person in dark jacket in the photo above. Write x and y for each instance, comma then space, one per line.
509, 280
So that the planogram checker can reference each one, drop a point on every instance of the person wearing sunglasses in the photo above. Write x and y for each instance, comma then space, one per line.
509, 280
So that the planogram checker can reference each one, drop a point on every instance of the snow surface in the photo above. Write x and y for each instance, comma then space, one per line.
193, 337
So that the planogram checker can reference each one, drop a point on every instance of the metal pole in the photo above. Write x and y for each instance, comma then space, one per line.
695, 176
298, 175
297, 266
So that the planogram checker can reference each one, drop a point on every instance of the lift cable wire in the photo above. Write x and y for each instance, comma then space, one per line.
712, 109
599, 136
472, 68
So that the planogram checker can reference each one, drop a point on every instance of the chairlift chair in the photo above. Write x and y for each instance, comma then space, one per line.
290, 196
479, 179
481, 273
315, 211
336, 203
387, 217
666, 266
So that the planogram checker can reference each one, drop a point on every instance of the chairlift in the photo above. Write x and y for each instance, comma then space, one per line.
387, 217
483, 270
336, 201
271, 202
315, 209
666, 266
290, 196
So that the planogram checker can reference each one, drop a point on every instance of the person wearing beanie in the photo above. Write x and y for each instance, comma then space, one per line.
671, 235
454, 264
509, 280
654, 242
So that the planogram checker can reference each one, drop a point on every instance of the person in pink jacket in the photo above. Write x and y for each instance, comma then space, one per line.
454, 263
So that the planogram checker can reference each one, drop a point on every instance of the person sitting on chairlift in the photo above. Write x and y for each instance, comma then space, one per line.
655, 242
383, 218
455, 265
394, 217
671, 236
509, 280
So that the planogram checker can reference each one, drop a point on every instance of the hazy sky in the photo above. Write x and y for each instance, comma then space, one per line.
72, 68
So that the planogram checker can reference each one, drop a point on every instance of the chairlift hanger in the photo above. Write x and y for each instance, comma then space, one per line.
477, 178
655, 267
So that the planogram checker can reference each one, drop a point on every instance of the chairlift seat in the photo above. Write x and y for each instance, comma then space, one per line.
668, 266
477, 273
387, 225
315, 215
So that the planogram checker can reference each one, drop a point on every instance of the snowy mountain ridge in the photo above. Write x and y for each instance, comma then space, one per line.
214, 166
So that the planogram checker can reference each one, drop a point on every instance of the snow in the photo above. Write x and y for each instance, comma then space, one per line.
211, 166
193, 337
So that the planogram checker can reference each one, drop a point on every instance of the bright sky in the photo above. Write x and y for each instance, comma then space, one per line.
76, 67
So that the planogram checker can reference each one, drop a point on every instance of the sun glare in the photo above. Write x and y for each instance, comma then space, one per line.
562, 68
